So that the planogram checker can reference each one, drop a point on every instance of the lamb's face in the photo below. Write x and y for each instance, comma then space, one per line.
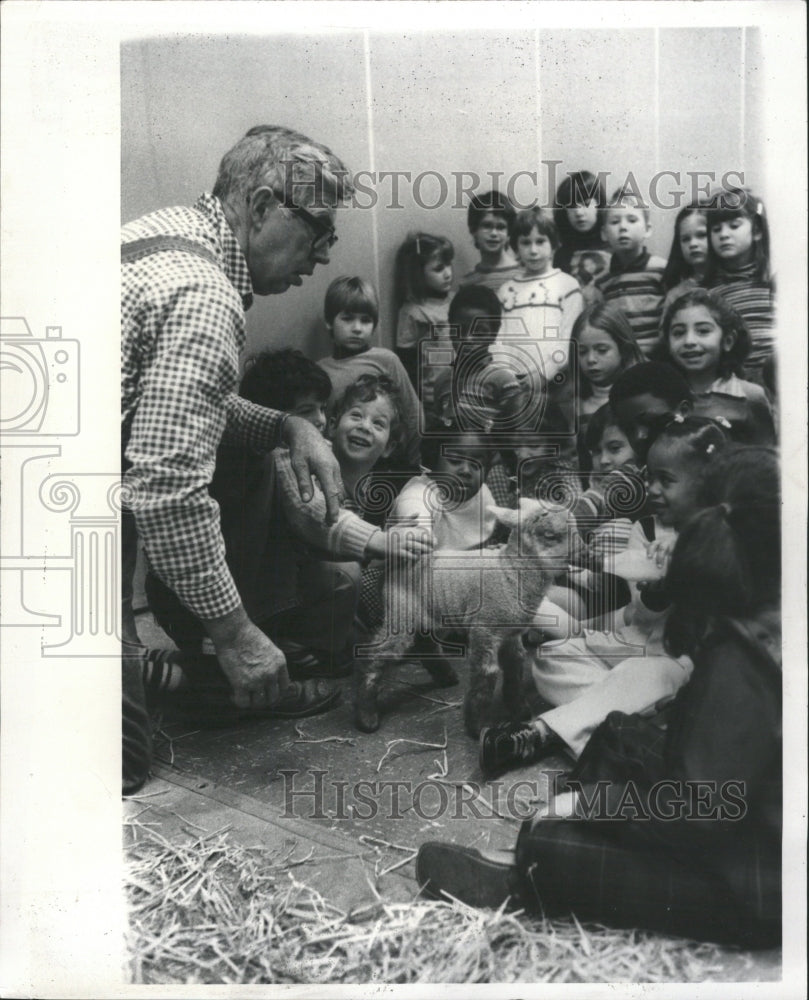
543, 531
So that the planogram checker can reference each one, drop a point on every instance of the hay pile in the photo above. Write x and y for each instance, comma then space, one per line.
210, 911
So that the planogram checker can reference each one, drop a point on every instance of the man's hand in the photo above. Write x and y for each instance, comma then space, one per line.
254, 666
310, 455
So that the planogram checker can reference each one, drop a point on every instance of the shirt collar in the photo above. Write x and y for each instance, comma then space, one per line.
638, 264
729, 386
235, 266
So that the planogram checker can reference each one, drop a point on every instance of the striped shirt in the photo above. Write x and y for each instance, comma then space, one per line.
753, 300
637, 289
491, 277
182, 328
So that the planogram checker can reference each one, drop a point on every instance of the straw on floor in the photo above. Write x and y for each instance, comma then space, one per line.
211, 911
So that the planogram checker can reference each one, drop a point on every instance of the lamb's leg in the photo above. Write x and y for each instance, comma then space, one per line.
438, 667
511, 659
368, 673
483, 678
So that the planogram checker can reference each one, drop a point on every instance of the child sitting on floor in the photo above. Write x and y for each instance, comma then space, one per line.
452, 497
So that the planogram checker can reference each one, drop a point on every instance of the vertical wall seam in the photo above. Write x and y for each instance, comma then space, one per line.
369, 109
657, 164
742, 99
538, 108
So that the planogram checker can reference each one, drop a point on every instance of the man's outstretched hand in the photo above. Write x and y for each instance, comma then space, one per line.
311, 455
255, 667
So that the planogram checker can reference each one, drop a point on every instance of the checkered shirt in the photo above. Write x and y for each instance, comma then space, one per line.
182, 328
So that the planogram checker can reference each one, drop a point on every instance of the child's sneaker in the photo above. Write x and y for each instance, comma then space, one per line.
514, 744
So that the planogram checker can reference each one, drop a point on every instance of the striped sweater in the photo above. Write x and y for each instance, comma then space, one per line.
753, 300
637, 289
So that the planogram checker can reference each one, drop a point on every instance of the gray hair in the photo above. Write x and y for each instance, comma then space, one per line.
298, 170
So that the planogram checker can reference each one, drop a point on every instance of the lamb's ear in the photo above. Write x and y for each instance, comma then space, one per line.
529, 504
505, 515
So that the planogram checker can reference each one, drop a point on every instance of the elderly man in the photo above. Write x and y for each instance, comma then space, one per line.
188, 275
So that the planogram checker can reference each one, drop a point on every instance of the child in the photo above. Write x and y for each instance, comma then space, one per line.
627, 667
739, 267
577, 212
484, 392
702, 870
707, 341
489, 218
542, 300
644, 398
351, 311
688, 257
422, 285
452, 497
635, 279
605, 347
615, 497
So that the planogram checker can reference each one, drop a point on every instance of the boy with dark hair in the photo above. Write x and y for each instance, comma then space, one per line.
489, 219
644, 398
635, 278
287, 379
351, 311
483, 392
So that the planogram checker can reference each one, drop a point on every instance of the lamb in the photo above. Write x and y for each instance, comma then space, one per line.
486, 592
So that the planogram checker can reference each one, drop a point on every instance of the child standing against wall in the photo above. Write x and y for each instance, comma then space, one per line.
635, 279
688, 258
739, 268
489, 218
542, 301
577, 211
423, 281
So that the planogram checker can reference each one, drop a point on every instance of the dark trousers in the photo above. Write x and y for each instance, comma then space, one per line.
570, 866
136, 729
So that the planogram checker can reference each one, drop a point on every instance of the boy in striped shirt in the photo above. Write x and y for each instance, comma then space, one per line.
634, 281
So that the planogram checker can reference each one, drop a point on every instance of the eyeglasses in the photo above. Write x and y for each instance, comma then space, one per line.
325, 237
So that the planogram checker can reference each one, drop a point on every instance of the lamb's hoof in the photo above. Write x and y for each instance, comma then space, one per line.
366, 715
442, 672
